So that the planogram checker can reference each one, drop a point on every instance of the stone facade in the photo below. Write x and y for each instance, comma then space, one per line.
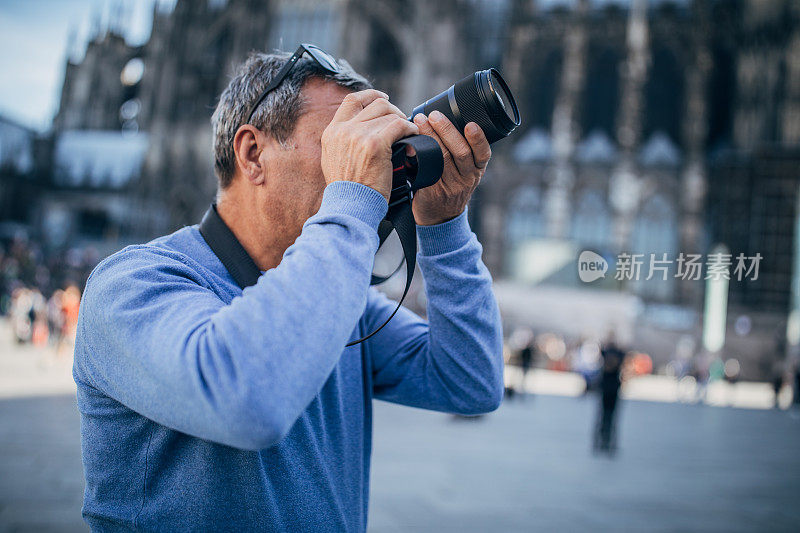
625, 108
642, 120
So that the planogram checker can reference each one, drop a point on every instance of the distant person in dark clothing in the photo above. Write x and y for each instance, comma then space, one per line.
796, 399
610, 382
778, 372
526, 357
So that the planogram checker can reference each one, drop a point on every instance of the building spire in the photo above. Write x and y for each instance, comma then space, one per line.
564, 128
116, 17
97, 22
626, 184
72, 39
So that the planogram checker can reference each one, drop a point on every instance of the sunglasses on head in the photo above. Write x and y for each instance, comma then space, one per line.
320, 56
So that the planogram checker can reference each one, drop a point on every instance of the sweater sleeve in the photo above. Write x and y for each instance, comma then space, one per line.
454, 361
155, 337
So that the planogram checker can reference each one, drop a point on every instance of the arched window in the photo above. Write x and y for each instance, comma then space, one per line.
301, 21
591, 222
525, 217
601, 95
656, 232
664, 96
541, 92
720, 95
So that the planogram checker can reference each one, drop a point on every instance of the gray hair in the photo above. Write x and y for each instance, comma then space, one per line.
280, 110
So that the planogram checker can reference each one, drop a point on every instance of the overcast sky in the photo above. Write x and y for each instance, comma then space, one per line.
33, 42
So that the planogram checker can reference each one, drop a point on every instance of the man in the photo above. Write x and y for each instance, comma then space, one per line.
610, 383
205, 407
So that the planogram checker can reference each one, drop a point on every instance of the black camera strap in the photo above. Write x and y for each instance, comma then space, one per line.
426, 167
244, 271
228, 249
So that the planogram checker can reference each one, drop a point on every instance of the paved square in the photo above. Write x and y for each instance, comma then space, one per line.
527, 467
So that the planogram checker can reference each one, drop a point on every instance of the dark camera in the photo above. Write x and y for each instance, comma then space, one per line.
483, 98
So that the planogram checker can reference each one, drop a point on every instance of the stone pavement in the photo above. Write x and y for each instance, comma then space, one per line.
41, 481
526, 467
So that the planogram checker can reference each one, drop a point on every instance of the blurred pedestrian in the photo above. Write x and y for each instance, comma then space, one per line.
39, 329
22, 314
731, 371
796, 398
610, 383
778, 371
509, 391
55, 317
521, 345
70, 303
701, 373
587, 362
526, 359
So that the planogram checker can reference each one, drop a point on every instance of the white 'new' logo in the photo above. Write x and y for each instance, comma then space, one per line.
591, 266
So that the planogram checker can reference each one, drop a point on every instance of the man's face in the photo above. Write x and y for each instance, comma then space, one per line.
296, 181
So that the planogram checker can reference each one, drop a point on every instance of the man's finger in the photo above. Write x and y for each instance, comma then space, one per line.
481, 151
398, 128
456, 144
353, 103
425, 128
377, 108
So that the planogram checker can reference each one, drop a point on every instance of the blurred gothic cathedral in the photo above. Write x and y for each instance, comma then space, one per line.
649, 126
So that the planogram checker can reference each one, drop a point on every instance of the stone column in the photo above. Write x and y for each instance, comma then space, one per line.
493, 226
695, 131
521, 40
564, 129
625, 186
790, 112
424, 32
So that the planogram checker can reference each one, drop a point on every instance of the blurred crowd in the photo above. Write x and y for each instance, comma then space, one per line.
584, 356
40, 296
40, 293
693, 370
605, 365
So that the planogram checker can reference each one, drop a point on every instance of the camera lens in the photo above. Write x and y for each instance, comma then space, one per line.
482, 97
506, 100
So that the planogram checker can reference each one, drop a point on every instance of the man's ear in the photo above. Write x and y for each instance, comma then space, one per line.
248, 144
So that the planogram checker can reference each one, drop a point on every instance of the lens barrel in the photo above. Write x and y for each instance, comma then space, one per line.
482, 97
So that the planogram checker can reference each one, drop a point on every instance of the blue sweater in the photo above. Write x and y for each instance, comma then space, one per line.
208, 408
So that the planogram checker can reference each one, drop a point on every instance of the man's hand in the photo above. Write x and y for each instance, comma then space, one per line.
356, 145
465, 161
